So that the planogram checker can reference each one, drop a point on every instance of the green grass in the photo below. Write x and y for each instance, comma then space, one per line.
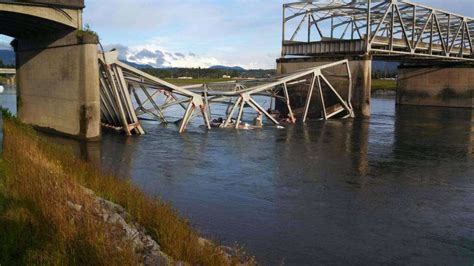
37, 226
196, 81
390, 85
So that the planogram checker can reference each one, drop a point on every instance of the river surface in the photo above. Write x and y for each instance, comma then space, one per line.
395, 189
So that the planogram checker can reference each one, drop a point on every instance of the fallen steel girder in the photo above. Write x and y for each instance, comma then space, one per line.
277, 89
119, 81
116, 106
154, 97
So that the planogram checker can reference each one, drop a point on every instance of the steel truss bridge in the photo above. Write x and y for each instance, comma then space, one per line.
376, 27
128, 94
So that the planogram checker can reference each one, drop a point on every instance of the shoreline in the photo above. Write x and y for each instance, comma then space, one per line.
57, 208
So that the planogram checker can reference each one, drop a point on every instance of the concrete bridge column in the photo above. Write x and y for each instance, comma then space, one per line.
361, 71
444, 85
58, 85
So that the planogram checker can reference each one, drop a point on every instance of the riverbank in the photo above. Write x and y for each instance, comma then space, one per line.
184, 82
56, 209
381, 85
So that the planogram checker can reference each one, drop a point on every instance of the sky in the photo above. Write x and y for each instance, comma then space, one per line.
201, 33
193, 33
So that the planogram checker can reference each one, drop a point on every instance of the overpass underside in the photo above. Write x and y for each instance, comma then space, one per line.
56, 66
431, 45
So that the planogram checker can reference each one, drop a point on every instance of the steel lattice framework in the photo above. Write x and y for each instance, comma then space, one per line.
157, 98
377, 27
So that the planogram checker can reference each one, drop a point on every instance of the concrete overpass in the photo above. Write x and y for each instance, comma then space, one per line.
7, 71
10, 73
435, 47
56, 65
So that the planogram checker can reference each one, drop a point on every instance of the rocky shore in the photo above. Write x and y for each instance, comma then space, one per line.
147, 249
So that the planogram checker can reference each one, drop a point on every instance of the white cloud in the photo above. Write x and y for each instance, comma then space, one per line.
231, 32
225, 32
157, 56
5, 46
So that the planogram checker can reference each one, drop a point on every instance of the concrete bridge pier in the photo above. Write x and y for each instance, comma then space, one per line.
58, 84
361, 71
443, 85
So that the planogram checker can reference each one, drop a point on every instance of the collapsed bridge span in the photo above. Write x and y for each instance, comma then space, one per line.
128, 94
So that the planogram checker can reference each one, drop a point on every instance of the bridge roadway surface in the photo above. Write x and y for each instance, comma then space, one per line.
436, 44
7, 71
381, 28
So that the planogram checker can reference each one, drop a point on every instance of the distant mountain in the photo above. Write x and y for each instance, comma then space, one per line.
7, 57
236, 68
135, 65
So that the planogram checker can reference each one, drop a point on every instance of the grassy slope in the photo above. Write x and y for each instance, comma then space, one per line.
36, 225
378, 84
195, 81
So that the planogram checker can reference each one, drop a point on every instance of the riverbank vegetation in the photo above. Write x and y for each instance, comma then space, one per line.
42, 186
384, 85
215, 72
184, 82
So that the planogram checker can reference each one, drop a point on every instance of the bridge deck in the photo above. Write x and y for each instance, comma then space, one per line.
72, 4
379, 48
376, 27
7, 71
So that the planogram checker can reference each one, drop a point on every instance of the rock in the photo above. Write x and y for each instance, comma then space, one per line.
88, 191
115, 218
144, 245
74, 206
203, 241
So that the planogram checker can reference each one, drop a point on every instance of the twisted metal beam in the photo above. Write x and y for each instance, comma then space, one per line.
277, 89
155, 97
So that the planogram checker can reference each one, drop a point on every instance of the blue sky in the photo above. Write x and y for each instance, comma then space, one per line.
229, 32
207, 32
192, 33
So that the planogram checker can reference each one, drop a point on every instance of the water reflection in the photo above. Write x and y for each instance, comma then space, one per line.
87, 151
395, 189
310, 193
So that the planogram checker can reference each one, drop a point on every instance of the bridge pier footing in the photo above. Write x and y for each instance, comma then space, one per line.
361, 71
443, 85
58, 85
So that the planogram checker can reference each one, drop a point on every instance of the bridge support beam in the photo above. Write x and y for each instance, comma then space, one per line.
58, 85
448, 85
361, 71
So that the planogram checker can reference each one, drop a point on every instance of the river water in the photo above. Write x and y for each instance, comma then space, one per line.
395, 189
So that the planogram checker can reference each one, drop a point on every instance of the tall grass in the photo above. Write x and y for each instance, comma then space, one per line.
37, 224
41, 177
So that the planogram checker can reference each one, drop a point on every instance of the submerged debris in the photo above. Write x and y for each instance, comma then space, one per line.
154, 97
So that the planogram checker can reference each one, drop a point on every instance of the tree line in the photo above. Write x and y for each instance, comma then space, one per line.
207, 72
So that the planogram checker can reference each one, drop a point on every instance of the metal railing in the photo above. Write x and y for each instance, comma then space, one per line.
386, 27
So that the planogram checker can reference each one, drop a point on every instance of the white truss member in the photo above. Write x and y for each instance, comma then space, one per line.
119, 81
